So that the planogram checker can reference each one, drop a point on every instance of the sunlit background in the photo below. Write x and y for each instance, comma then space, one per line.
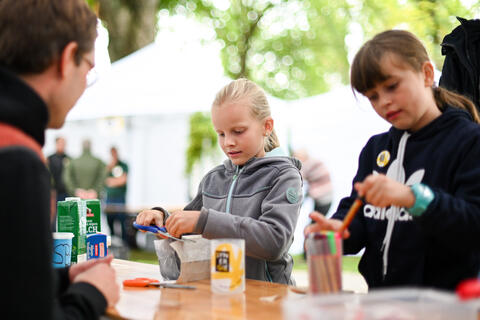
161, 62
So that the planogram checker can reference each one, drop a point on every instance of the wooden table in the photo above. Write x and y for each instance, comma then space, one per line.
261, 300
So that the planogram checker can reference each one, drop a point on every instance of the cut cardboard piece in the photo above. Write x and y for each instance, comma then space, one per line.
184, 261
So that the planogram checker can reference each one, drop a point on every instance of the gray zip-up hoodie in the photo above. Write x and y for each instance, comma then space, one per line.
259, 202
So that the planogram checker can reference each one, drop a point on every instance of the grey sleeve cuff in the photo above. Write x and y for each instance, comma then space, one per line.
166, 214
202, 221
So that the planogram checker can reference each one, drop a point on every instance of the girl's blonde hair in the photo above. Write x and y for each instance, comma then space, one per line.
243, 88
366, 70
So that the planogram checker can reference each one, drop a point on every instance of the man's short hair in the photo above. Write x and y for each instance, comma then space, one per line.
33, 33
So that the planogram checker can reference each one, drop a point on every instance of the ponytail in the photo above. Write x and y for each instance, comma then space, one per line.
444, 97
271, 141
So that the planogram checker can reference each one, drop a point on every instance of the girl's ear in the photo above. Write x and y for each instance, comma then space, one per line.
268, 126
428, 73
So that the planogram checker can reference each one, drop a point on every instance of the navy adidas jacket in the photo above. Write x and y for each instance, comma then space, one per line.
441, 247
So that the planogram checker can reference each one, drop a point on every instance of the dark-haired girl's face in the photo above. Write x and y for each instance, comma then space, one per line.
405, 98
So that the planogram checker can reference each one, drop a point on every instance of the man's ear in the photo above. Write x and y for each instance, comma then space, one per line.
268, 125
67, 61
428, 73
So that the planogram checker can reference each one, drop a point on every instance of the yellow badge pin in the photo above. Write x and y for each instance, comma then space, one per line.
383, 158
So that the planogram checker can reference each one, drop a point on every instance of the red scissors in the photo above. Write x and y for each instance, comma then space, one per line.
148, 282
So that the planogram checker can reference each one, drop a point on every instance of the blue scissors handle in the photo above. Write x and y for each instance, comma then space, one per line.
153, 229
161, 230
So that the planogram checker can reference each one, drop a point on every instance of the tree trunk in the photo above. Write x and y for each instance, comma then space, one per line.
131, 24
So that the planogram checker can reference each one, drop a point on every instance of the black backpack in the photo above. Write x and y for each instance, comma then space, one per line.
461, 69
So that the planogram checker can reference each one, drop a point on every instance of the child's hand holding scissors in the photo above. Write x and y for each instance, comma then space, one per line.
181, 222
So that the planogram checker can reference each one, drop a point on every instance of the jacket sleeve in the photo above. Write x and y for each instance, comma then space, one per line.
269, 236
453, 217
100, 177
33, 287
68, 179
197, 202
357, 239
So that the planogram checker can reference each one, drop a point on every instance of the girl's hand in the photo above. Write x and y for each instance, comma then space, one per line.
381, 191
149, 217
323, 224
181, 222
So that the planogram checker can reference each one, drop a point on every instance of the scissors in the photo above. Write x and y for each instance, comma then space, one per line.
148, 282
160, 230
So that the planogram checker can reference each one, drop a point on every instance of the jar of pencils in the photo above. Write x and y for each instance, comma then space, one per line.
324, 258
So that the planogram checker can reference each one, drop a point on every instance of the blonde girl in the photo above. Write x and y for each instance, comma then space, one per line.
254, 195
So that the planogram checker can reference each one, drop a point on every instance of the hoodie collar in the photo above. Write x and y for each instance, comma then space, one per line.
449, 116
275, 156
22, 107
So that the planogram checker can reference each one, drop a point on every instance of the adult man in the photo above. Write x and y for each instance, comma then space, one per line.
115, 198
56, 164
46, 51
84, 176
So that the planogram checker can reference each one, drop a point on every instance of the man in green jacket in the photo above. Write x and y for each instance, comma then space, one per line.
85, 175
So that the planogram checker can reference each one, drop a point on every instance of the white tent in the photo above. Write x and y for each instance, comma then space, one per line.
153, 80
143, 104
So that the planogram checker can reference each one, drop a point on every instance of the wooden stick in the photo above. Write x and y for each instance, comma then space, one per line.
351, 214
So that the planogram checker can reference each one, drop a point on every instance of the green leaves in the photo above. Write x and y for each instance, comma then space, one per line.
294, 48
202, 139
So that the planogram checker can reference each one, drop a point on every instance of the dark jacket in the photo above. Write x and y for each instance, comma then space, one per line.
34, 290
461, 68
258, 202
56, 164
441, 247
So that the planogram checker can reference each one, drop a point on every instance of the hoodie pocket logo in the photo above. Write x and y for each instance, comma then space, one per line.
292, 195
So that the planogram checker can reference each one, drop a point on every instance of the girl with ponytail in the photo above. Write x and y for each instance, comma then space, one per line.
255, 194
420, 181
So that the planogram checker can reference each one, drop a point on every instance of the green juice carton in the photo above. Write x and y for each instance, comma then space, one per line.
93, 216
72, 217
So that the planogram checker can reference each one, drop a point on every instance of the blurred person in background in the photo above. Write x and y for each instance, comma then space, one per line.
56, 162
317, 181
85, 175
115, 198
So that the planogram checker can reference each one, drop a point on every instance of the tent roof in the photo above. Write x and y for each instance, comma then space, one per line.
155, 80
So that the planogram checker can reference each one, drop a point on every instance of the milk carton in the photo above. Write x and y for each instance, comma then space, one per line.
72, 217
93, 216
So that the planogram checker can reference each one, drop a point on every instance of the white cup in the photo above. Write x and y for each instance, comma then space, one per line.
62, 249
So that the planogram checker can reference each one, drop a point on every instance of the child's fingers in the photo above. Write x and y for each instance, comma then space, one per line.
318, 218
172, 224
346, 234
360, 188
149, 217
312, 228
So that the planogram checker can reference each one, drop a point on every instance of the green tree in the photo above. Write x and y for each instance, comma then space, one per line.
131, 24
202, 139
430, 20
291, 48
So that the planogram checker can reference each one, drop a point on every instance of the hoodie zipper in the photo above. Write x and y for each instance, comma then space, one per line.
230, 192
229, 203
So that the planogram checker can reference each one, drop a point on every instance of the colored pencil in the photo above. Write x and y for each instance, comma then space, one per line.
351, 214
